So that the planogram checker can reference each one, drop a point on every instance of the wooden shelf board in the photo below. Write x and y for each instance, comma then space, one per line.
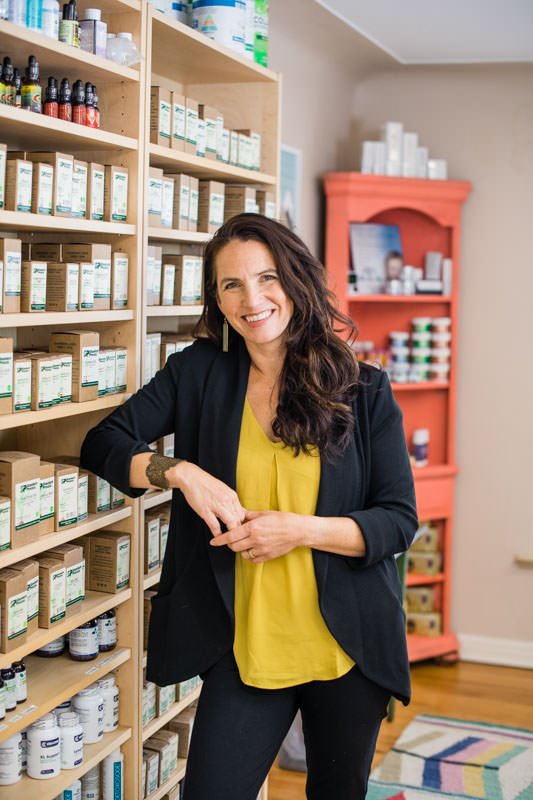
422, 580
95, 603
391, 298
152, 579
24, 320
95, 522
174, 709
423, 386
56, 57
205, 168
51, 681
151, 499
20, 220
435, 471
191, 57
173, 311
27, 130
111, 6
60, 411
175, 778
422, 647
174, 235
31, 789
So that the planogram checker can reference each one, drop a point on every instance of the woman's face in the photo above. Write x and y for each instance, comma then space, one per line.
249, 292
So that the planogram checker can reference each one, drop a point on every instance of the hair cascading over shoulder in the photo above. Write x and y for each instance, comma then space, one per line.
320, 375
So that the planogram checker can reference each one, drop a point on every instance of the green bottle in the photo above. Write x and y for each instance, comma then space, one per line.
8, 82
261, 32
31, 87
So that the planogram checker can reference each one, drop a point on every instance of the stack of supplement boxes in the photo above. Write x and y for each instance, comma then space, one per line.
423, 616
38, 498
173, 280
185, 125
158, 347
61, 277
156, 524
57, 184
74, 368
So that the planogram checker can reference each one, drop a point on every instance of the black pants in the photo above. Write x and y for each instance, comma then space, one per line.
238, 731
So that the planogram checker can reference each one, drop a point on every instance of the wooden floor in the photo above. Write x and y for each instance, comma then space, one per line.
467, 691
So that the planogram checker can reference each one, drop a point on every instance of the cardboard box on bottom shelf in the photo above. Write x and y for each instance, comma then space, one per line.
72, 557
6, 375
166, 744
151, 759
83, 346
182, 725
20, 481
30, 570
11, 256
429, 624
13, 609
52, 591
108, 561
424, 563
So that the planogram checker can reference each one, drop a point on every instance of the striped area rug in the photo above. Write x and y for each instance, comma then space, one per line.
456, 759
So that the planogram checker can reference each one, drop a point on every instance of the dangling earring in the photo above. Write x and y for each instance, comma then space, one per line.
225, 336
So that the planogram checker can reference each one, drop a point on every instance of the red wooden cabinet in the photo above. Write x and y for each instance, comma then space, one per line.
429, 216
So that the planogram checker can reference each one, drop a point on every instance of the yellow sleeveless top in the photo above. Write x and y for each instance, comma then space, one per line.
281, 638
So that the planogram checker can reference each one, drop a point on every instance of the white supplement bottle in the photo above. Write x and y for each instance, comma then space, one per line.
73, 792
112, 776
51, 19
90, 784
89, 704
24, 735
44, 759
71, 736
109, 691
11, 760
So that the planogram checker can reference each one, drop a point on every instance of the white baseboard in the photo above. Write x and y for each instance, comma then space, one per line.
490, 650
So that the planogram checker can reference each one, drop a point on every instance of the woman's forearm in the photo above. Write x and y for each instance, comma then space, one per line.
139, 479
339, 535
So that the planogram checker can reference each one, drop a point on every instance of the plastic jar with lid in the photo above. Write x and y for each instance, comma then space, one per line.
421, 339
54, 648
399, 355
109, 690
89, 704
8, 676
418, 373
71, 740
440, 372
420, 447
441, 339
440, 355
399, 373
11, 760
421, 324
107, 630
44, 755
83, 641
441, 324
21, 688
421, 355
399, 338
72, 792
90, 784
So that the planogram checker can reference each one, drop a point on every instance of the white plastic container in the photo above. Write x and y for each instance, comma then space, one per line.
89, 704
440, 372
400, 355
73, 792
110, 693
224, 22
90, 784
400, 373
421, 339
440, 355
399, 338
441, 339
71, 739
420, 447
17, 12
11, 760
441, 324
24, 735
44, 753
421, 355
51, 19
113, 776
421, 324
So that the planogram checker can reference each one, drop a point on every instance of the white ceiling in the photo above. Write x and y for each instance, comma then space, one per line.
442, 31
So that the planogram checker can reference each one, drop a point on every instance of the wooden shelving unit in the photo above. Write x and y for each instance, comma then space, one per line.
249, 97
428, 214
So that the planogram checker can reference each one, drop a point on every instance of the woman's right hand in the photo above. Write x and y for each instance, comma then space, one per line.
212, 499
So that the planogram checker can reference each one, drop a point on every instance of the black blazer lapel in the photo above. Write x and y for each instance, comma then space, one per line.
220, 426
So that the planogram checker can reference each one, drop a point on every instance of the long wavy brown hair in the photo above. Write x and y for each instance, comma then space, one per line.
320, 375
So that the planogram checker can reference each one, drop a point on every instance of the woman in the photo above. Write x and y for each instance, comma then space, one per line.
295, 491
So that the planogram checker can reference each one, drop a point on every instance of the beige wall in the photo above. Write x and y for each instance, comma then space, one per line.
481, 119
320, 60
337, 90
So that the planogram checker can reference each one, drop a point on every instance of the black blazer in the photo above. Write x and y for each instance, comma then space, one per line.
199, 396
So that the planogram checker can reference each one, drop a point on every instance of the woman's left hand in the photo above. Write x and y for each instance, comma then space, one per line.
264, 535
